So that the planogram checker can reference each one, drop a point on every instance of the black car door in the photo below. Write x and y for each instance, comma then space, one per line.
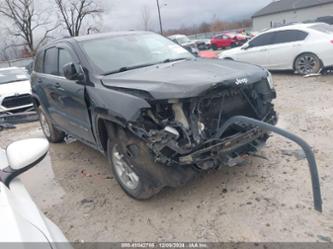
45, 80
68, 99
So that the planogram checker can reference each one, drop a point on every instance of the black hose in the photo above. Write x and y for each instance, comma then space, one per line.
305, 146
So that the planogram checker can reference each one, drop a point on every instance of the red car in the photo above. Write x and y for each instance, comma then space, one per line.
227, 40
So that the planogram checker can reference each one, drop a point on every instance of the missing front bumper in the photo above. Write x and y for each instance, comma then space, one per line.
237, 120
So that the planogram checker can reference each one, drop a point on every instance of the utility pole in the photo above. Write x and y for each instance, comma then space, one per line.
159, 16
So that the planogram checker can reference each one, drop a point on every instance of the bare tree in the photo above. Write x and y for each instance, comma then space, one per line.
26, 21
146, 17
75, 12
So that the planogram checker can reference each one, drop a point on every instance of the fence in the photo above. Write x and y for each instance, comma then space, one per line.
24, 62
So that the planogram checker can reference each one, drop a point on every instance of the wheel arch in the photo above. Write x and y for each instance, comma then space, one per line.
106, 129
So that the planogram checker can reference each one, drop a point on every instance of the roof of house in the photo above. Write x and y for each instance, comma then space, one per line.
288, 5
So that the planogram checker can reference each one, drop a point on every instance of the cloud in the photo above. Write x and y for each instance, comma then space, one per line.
126, 14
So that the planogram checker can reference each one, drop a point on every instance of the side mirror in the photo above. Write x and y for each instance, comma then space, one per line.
21, 156
73, 72
246, 46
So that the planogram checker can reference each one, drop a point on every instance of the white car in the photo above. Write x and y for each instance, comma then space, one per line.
304, 48
185, 42
21, 220
15, 90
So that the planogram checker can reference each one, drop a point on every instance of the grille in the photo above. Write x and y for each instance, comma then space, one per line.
218, 108
17, 101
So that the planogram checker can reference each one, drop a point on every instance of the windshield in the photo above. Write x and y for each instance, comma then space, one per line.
12, 75
120, 53
325, 28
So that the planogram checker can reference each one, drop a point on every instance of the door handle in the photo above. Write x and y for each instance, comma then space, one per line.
58, 86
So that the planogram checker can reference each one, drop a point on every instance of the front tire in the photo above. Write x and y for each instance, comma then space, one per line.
50, 132
128, 163
307, 63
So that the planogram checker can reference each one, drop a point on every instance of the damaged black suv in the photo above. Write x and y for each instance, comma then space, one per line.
153, 108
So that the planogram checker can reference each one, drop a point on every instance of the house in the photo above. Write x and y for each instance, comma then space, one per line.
282, 12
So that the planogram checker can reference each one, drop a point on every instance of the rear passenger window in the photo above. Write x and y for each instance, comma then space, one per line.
50, 61
38, 64
64, 58
262, 40
289, 36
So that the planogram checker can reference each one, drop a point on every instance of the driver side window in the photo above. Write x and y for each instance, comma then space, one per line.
262, 40
64, 58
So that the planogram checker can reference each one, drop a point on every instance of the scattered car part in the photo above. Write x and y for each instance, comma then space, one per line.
4, 126
306, 148
17, 118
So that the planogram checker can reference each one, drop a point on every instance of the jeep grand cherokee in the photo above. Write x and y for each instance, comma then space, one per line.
155, 110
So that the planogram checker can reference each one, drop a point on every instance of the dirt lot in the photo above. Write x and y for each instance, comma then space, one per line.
266, 200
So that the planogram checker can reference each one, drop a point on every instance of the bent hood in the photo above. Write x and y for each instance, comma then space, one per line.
184, 79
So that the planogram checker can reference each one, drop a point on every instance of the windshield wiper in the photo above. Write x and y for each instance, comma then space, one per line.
123, 69
172, 60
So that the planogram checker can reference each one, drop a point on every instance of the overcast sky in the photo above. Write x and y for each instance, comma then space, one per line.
126, 14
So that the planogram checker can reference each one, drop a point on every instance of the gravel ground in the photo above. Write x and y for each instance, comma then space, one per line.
265, 200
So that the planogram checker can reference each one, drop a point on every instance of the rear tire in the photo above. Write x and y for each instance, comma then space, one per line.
50, 132
307, 63
214, 47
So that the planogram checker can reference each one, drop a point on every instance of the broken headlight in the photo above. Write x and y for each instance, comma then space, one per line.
270, 80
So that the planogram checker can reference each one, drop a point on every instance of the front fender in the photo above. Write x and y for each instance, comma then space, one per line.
116, 104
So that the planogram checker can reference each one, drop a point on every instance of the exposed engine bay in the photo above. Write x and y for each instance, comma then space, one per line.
187, 131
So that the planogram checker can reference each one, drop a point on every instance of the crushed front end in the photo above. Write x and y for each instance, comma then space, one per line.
187, 131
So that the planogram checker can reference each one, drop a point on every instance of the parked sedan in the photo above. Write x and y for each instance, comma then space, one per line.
15, 90
186, 43
303, 48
